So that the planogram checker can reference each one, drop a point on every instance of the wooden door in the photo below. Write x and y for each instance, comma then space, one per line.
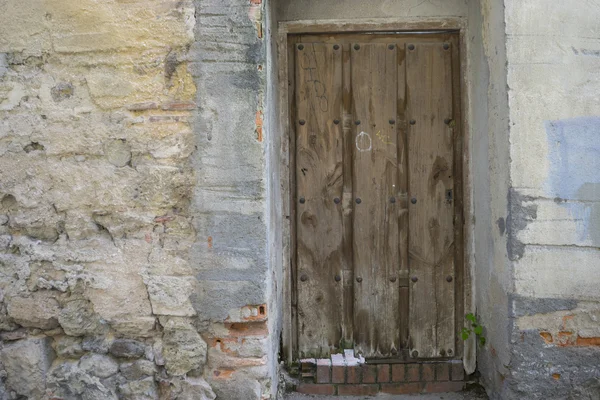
377, 197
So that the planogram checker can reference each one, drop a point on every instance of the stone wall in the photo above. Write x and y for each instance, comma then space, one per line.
132, 201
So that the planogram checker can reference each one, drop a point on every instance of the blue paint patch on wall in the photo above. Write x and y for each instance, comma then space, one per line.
574, 171
574, 156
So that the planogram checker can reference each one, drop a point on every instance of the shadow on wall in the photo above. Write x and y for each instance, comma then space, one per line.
574, 172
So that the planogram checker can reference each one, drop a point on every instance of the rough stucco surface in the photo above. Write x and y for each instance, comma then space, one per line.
133, 257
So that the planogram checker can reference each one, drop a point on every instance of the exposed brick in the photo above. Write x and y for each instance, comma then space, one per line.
323, 371
402, 388
442, 372
369, 373
353, 374
398, 371
458, 372
338, 374
443, 387
587, 341
357, 390
179, 106
428, 372
383, 373
311, 388
412, 373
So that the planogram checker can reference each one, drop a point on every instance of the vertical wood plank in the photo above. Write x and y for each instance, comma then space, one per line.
319, 182
375, 182
431, 209
402, 197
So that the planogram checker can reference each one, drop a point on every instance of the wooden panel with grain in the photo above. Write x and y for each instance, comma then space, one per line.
319, 185
375, 182
431, 209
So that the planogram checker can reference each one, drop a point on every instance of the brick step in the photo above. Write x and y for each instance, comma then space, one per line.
347, 375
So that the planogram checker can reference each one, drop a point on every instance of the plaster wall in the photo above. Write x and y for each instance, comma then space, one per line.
553, 80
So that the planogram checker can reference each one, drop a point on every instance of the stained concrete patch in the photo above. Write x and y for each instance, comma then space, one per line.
523, 306
520, 214
545, 372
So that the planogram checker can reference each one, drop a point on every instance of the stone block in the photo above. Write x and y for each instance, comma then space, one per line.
27, 363
68, 347
144, 389
138, 369
183, 348
77, 318
170, 295
127, 348
99, 365
38, 310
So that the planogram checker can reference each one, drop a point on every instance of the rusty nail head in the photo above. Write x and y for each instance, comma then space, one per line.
414, 279
300, 47
356, 46
302, 200
359, 279
392, 199
393, 279
392, 121
415, 354
338, 278
357, 122
302, 122
413, 200
336, 46
336, 200
449, 278
446, 46
358, 200
304, 278
447, 121
412, 122
391, 46
336, 121
411, 46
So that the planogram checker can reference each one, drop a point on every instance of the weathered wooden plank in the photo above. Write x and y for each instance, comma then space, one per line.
319, 185
375, 183
403, 310
431, 189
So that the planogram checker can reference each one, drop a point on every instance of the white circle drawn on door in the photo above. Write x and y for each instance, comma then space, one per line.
364, 142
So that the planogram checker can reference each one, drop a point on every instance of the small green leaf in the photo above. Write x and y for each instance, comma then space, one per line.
482, 340
465, 335
478, 329
471, 317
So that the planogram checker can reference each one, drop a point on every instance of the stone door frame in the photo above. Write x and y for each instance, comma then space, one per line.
400, 25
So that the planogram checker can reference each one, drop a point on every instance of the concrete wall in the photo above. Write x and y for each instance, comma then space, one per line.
553, 53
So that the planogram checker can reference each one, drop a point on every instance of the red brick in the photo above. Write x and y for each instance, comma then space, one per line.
428, 372
412, 373
458, 372
357, 390
311, 388
442, 372
353, 374
323, 371
398, 372
338, 374
443, 387
401, 388
383, 373
179, 105
369, 373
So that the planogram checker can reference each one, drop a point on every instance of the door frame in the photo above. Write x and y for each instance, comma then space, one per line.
287, 162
